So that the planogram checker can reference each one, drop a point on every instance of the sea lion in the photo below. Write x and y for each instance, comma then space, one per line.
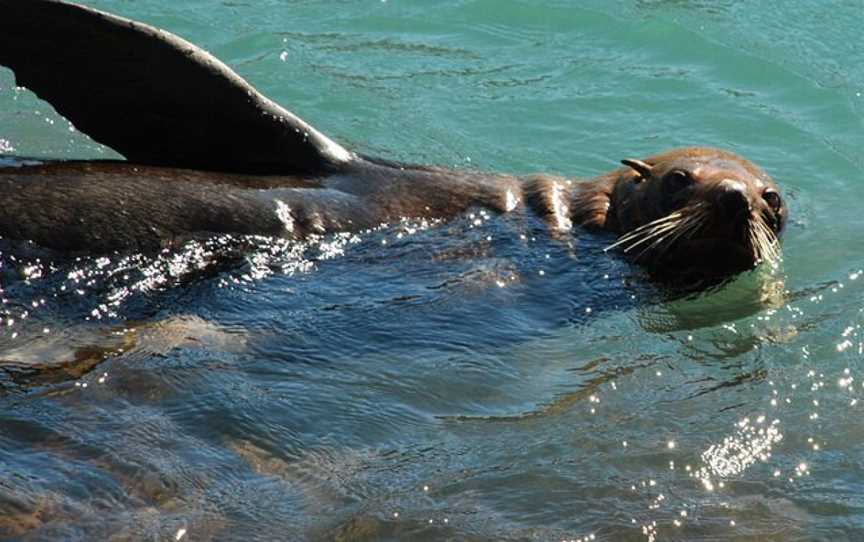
696, 207
208, 154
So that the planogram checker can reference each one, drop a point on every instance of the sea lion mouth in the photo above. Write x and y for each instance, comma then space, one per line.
693, 238
711, 255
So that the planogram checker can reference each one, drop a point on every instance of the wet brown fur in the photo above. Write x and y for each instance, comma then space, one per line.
101, 207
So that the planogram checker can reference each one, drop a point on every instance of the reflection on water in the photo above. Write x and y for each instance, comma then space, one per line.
761, 290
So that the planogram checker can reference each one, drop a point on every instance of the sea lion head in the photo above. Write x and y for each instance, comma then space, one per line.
696, 208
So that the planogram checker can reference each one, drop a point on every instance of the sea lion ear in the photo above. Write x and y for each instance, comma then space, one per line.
640, 167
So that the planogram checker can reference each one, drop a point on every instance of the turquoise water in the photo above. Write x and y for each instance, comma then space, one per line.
426, 381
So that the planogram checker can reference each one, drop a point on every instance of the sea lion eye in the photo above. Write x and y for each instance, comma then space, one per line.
677, 180
772, 198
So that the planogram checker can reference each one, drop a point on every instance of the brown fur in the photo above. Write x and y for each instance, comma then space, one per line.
100, 207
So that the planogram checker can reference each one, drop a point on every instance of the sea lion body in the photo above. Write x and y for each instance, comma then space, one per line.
209, 154
100, 207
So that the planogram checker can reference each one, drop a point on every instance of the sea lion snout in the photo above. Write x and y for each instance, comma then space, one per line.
732, 198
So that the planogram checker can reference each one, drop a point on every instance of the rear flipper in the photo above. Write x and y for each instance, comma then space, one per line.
152, 96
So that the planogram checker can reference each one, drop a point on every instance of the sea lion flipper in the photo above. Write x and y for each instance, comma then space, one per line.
152, 96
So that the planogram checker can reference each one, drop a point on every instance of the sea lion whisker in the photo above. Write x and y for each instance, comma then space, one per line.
771, 242
701, 221
755, 244
644, 228
665, 236
666, 241
686, 225
765, 230
692, 227
696, 217
636, 240
687, 229
633, 239
661, 242
656, 230
653, 228
765, 241
764, 252
648, 225
656, 242
751, 238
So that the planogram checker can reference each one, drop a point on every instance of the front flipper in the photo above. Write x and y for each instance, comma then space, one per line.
152, 96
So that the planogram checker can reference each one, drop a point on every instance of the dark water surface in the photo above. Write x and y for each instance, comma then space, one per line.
475, 380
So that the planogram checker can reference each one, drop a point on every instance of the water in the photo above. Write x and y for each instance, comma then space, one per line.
475, 380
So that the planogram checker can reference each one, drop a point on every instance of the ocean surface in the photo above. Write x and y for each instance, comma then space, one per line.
474, 380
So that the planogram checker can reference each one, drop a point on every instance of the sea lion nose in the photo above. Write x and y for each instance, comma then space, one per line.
732, 197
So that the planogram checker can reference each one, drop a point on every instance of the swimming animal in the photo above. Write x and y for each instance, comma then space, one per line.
209, 154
